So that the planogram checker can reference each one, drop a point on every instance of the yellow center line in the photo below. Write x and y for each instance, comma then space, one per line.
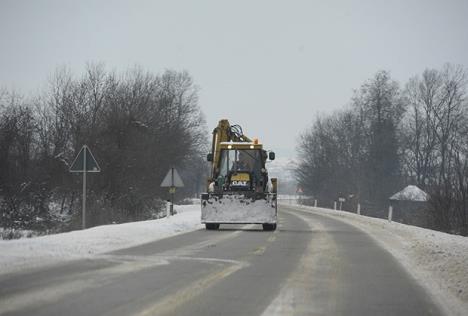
168, 304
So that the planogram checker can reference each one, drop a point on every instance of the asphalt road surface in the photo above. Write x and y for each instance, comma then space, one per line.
312, 265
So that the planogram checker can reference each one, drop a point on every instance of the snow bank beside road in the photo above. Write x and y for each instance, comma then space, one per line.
438, 261
19, 254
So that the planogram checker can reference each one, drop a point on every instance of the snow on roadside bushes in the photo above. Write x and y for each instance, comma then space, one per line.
11, 233
19, 254
437, 260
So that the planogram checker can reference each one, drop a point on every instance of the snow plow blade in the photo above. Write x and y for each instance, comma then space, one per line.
239, 209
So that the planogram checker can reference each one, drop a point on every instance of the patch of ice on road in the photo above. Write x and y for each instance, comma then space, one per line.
16, 255
438, 261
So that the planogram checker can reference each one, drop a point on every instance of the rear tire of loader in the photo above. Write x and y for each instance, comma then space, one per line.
211, 226
269, 227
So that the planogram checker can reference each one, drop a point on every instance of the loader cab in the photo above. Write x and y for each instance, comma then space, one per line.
242, 168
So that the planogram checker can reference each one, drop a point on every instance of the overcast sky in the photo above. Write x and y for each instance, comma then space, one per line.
270, 66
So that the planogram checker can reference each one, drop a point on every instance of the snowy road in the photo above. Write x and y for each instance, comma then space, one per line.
312, 265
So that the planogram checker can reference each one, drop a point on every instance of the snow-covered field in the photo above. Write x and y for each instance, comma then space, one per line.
438, 261
19, 254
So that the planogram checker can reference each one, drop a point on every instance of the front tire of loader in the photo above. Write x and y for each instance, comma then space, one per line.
211, 226
269, 227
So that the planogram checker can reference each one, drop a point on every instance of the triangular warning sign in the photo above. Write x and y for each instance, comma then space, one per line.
85, 158
172, 179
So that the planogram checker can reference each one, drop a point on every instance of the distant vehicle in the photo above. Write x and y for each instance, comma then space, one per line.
238, 190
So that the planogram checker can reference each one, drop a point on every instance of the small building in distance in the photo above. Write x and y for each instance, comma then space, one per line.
410, 206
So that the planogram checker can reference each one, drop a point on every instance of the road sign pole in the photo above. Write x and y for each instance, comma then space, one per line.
82, 162
84, 190
172, 200
172, 181
172, 191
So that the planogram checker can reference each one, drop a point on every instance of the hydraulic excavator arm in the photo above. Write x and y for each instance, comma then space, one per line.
224, 132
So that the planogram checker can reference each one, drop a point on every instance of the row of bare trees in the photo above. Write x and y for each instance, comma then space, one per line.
137, 124
390, 137
435, 143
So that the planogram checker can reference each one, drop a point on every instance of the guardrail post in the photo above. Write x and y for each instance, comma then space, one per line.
315, 203
168, 208
359, 209
334, 205
390, 213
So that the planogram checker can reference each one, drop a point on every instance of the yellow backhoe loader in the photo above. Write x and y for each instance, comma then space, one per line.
238, 190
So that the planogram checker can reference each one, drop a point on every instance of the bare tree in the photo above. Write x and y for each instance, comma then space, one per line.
436, 142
